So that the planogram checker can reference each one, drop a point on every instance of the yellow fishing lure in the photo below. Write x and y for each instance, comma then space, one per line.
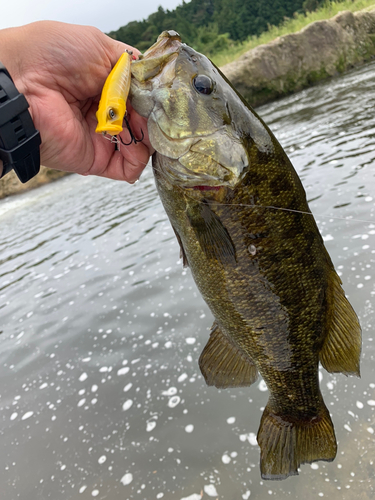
112, 105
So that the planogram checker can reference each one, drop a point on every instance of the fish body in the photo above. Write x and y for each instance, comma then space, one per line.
112, 105
265, 274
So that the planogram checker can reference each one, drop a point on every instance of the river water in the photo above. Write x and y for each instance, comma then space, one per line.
101, 330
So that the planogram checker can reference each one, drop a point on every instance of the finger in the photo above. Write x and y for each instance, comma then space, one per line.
117, 48
136, 157
126, 168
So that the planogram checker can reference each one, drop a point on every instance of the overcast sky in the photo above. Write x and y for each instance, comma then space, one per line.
107, 15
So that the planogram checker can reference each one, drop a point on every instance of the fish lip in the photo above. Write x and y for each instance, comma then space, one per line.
167, 40
156, 57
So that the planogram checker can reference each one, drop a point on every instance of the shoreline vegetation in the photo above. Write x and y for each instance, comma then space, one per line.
290, 26
298, 53
292, 62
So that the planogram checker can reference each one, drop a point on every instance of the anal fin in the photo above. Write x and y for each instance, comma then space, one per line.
342, 347
223, 364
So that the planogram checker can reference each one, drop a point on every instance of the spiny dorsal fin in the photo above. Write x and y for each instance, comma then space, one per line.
342, 347
212, 236
223, 364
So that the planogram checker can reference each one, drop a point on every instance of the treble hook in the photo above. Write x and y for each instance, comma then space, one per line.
132, 137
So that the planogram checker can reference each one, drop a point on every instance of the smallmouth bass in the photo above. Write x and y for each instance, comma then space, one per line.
265, 274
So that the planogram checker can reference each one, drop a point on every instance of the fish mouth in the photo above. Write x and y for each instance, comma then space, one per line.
152, 62
207, 188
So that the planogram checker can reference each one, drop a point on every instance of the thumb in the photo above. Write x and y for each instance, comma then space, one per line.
117, 48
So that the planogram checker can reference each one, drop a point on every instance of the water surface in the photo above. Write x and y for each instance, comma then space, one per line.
101, 394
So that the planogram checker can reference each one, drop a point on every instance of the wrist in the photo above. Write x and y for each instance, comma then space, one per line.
10, 39
19, 140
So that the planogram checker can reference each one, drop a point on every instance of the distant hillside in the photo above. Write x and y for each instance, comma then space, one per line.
211, 25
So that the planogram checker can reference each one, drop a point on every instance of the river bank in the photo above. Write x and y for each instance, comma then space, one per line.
10, 184
296, 61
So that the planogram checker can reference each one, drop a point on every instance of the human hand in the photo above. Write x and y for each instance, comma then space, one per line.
61, 69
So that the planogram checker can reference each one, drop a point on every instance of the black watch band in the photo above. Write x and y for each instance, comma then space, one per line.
19, 140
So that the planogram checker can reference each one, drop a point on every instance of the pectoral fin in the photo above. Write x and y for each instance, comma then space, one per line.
211, 234
223, 364
342, 347
185, 262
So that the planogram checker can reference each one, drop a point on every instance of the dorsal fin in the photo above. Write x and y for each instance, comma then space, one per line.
223, 364
342, 347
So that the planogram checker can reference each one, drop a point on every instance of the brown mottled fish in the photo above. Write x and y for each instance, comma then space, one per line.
265, 274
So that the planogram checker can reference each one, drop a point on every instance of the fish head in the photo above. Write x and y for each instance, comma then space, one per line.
195, 116
110, 116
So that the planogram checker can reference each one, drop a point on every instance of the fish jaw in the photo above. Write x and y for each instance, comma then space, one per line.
152, 62
183, 125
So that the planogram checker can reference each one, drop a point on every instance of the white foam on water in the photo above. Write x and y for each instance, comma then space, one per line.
210, 490
123, 371
170, 392
27, 415
150, 426
128, 404
194, 496
174, 401
126, 478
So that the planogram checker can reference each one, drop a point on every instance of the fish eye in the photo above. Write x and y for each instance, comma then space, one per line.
203, 84
111, 114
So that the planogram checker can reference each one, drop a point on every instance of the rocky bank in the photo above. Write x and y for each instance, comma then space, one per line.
10, 184
293, 62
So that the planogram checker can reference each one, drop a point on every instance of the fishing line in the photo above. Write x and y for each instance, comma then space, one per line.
114, 139
271, 207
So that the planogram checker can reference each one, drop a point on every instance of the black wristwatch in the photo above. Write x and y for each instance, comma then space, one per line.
19, 140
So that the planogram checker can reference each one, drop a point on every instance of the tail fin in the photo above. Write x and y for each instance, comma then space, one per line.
285, 445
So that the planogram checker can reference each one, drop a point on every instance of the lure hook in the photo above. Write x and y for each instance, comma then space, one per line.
132, 137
